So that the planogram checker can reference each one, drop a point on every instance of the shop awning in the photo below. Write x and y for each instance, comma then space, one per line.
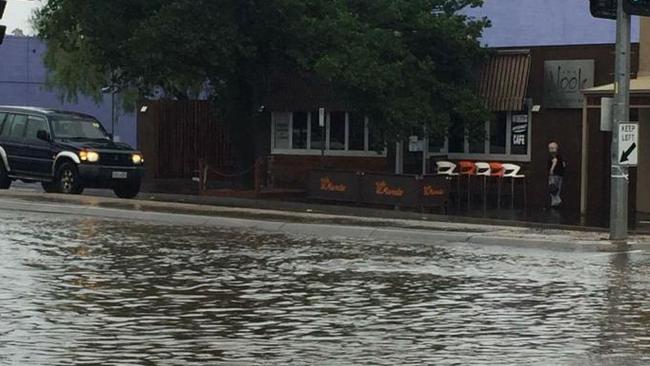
640, 85
504, 80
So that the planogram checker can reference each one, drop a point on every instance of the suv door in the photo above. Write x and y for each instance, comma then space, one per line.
37, 153
12, 141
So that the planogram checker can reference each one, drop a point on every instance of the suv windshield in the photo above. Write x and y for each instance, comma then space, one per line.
66, 127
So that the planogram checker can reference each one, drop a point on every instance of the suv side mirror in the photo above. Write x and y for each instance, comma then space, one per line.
43, 135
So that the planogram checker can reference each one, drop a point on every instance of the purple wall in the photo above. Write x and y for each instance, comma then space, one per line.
545, 22
22, 78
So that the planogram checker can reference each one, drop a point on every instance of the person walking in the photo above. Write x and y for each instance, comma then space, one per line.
556, 167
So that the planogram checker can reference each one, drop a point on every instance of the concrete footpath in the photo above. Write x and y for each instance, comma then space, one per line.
322, 225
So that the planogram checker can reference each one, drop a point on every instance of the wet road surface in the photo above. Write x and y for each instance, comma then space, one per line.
79, 291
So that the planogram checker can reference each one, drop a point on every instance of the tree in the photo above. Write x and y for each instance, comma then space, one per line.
406, 63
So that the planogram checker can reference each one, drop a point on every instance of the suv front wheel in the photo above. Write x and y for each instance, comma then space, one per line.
67, 179
5, 181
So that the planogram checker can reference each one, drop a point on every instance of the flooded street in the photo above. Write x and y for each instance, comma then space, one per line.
101, 292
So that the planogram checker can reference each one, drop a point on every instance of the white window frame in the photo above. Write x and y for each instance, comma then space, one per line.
309, 151
508, 156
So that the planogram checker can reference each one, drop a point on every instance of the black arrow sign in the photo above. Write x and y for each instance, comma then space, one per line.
626, 154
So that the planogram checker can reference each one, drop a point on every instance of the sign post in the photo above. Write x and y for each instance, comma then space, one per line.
619, 174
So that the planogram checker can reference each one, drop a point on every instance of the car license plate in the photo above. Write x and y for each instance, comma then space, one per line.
120, 175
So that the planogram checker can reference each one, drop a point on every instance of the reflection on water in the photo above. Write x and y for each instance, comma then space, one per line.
99, 292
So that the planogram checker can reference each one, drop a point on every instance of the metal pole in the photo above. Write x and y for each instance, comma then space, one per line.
113, 114
322, 147
399, 158
619, 179
584, 168
425, 151
322, 122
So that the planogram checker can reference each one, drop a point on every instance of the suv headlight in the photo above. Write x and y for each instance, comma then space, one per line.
137, 159
89, 156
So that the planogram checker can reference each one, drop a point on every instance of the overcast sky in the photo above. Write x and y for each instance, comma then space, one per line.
18, 13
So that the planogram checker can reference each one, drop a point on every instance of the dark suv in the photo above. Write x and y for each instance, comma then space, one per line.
66, 152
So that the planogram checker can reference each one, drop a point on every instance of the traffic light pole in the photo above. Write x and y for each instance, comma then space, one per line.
3, 28
620, 178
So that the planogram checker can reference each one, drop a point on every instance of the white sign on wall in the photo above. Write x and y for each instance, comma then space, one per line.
564, 81
520, 130
628, 144
415, 144
321, 117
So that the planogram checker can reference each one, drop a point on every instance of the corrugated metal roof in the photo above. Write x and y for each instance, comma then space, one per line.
504, 80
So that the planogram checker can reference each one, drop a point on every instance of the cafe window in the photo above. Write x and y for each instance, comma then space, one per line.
281, 126
299, 130
376, 140
316, 132
476, 142
498, 133
437, 144
343, 134
505, 136
337, 131
357, 135
457, 139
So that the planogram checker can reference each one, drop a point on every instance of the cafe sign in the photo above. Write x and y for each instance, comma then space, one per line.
564, 81
378, 189
334, 186
327, 184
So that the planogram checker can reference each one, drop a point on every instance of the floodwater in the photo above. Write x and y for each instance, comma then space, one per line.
94, 292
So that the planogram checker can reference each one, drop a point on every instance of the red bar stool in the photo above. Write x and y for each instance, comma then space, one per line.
468, 169
497, 172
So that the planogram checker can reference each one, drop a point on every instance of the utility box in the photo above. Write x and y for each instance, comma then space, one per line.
606, 114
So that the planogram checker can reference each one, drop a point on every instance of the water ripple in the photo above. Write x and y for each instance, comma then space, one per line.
90, 292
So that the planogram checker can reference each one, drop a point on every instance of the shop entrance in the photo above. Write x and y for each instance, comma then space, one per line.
595, 182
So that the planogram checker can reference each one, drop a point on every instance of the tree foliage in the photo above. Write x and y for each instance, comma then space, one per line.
403, 62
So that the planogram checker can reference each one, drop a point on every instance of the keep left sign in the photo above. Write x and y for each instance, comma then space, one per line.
628, 144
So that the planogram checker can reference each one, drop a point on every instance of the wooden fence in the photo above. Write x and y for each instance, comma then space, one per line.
175, 135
